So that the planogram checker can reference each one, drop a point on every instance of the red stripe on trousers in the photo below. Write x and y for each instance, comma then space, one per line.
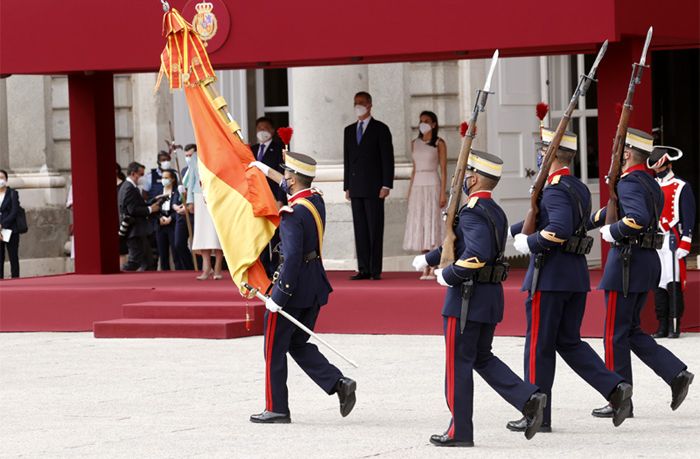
271, 325
450, 365
610, 331
534, 331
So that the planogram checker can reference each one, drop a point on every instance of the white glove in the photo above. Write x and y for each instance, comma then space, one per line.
420, 263
607, 236
262, 166
520, 244
271, 305
181, 189
681, 253
440, 279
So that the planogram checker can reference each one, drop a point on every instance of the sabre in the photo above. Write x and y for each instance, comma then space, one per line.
303, 327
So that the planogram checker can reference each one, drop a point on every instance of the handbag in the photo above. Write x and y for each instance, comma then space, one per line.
21, 221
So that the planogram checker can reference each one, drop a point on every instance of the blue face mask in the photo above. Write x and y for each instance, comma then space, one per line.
663, 173
540, 159
465, 185
285, 186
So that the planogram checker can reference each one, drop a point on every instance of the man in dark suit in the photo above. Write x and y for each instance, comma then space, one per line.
368, 156
133, 208
268, 151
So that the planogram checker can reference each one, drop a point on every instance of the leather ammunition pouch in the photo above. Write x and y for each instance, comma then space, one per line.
493, 274
648, 240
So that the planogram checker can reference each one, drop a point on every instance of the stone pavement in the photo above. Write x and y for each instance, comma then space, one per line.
70, 395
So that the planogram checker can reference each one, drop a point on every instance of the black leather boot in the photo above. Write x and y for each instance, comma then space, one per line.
662, 331
445, 440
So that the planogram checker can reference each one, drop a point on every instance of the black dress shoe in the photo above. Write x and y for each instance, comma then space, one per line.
607, 412
269, 417
360, 276
621, 403
662, 331
377, 277
679, 388
445, 440
345, 388
521, 424
534, 413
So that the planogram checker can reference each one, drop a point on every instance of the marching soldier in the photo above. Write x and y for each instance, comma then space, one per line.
301, 287
558, 283
677, 221
632, 269
474, 305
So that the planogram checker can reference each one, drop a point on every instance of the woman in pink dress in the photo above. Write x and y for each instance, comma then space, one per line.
426, 196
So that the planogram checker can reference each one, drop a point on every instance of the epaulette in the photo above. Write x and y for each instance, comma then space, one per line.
472, 202
555, 180
288, 209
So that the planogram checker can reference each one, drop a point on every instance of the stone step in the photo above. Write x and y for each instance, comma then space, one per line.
193, 310
177, 328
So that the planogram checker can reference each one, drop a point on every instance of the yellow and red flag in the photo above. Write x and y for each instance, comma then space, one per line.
239, 199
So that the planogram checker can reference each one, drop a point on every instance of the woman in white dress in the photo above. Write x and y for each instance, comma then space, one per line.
205, 241
426, 196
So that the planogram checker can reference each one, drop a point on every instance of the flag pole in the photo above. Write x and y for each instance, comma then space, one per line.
303, 327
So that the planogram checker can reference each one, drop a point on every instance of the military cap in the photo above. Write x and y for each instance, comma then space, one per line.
300, 164
486, 164
569, 142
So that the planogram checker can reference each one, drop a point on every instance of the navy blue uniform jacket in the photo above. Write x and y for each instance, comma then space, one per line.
558, 220
637, 204
475, 248
301, 284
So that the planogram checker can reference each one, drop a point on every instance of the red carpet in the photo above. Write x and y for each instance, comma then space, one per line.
175, 304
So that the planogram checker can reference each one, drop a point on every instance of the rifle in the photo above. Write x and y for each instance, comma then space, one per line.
530, 223
611, 215
448, 245
172, 149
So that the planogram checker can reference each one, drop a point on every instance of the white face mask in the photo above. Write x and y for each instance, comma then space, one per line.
165, 165
188, 159
141, 181
167, 182
263, 136
360, 111
3, 183
424, 128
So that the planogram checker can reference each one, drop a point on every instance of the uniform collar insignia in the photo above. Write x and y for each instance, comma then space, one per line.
639, 167
557, 173
483, 194
301, 195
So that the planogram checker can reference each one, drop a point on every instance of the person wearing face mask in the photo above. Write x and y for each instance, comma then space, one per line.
182, 235
676, 222
9, 207
165, 231
153, 185
632, 269
557, 282
134, 210
474, 306
268, 151
123, 249
368, 176
301, 287
426, 196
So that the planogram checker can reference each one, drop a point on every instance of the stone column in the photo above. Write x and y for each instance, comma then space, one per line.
28, 127
149, 121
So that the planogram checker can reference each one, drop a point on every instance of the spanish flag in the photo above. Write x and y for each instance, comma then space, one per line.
239, 199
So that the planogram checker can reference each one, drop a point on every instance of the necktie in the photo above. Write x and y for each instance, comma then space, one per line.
261, 151
359, 132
